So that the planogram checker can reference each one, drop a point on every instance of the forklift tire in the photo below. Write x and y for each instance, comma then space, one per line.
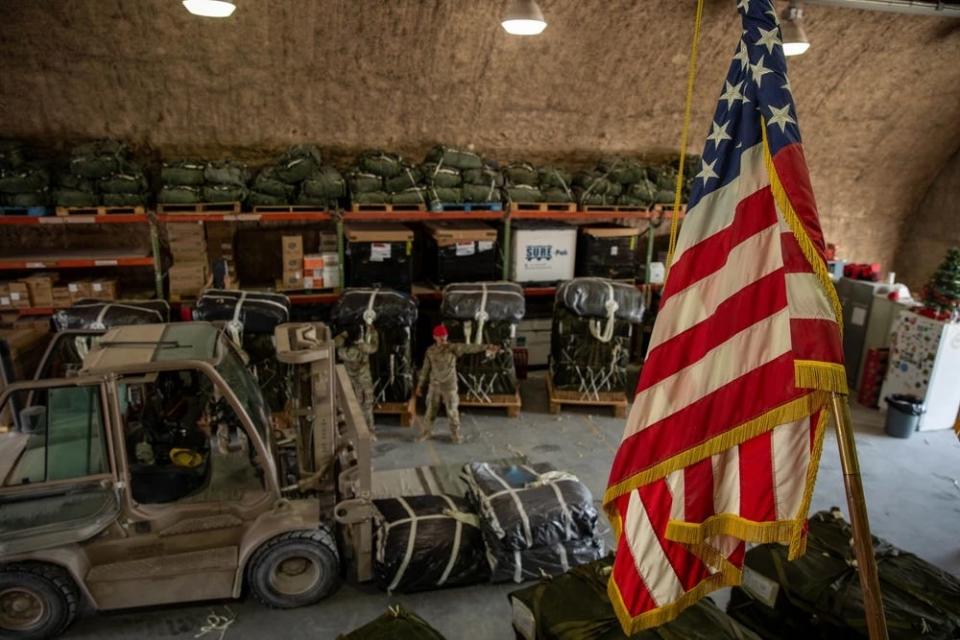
36, 601
294, 569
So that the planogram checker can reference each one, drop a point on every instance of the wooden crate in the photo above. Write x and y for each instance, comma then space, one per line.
666, 209
199, 208
613, 208
288, 208
613, 399
406, 410
544, 206
386, 207
497, 401
66, 212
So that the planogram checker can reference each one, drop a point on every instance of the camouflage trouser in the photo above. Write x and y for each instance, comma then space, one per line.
451, 401
365, 397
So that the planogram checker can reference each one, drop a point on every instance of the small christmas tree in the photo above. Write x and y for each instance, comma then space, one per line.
942, 294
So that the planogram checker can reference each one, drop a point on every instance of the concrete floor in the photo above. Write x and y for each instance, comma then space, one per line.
912, 487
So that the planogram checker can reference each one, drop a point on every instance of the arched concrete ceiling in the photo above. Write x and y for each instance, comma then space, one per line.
878, 94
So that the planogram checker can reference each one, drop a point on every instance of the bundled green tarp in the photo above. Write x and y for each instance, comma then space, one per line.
98, 159
396, 624
480, 193
226, 172
297, 164
11, 155
29, 178
30, 199
408, 178
182, 173
518, 173
222, 193
364, 182
179, 195
622, 170
484, 176
456, 158
62, 197
120, 200
448, 195
575, 606
267, 183
129, 179
553, 177
380, 163
523, 193
819, 596
440, 176
258, 199
557, 195
370, 197
413, 195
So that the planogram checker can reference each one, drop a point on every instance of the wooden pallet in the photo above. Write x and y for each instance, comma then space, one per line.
613, 208
558, 397
287, 208
510, 402
66, 212
406, 410
544, 206
199, 208
666, 208
471, 206
386, 207
36, 212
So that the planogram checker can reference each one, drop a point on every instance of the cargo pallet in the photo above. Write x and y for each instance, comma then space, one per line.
471, 206
406, 410
613, 399
386, 207
36, 212
199, 208
510, 402
101, 210
287, 208
570, 207
666, 208
614, 208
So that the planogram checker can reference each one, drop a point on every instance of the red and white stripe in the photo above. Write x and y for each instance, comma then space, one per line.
740, 306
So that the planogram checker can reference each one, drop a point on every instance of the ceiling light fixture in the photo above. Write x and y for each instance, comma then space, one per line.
791, 27
210, 8
523, 18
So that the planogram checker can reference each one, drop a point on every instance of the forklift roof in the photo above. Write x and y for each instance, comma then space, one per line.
133, 345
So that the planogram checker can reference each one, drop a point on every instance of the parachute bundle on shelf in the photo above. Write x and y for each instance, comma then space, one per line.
526, 183
96, 315
484, 313
298, 177
249, 318
593, 322
629, 182
394, 315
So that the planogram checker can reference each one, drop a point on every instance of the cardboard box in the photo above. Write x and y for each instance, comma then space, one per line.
292, 280
79, 290
291, 252
104, 289
312, 261
40, 287
312, 282
327, 241
378, 232
25, 346
61, 297
331, 277
543, 253
19, 294
5, 296
187, 279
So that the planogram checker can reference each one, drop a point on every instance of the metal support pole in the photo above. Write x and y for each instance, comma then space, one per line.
340, 252
856, 503
157, 258
650, 239
506, 245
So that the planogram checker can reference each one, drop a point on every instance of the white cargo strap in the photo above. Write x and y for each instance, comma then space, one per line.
550, 479
596, 180
487, 506
563, 183
481, 316
562, 553
457, 535
408, 554
413, 184
235, 327
98, 324
369, 315
611, 308
517, 567
493, 189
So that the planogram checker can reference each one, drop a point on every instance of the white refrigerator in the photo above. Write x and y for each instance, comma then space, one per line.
925, 362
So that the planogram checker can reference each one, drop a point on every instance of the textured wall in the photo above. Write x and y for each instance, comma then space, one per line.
933, 229
878, 94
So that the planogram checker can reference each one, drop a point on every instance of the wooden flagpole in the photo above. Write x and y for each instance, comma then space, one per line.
856, 503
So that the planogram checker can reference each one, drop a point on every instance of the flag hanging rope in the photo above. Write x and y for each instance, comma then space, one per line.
684, 133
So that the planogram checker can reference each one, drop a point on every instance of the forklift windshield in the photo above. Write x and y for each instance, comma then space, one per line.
239, 379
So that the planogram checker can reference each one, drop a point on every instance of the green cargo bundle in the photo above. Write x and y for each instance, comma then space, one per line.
268, 184
575, 606
445, 195
408, 178
819, 595
298, 163
98, 159
481, 193
222, 193
523, 193
120, 200
557, 195
29, 199
325, 185
129, 179
437, 175
63, 197
11, 155
643, 193
396, 624
521, 173
413, 195
622, 170
380, 163
456, 158
370, 197
184, 194
552, 177
226, 172
182, 173
364, 182
592, 183
486, 175
258, 199
29, 178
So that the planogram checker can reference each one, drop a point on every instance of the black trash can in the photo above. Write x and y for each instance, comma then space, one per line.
903, 415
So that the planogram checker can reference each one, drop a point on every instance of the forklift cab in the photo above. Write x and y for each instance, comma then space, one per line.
145, 476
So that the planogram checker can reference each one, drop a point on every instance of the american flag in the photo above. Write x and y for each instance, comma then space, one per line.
723, 440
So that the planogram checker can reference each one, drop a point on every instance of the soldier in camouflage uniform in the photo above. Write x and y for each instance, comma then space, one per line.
354, 352
440, 371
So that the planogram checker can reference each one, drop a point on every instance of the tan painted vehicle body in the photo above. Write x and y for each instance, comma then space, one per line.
122, 552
